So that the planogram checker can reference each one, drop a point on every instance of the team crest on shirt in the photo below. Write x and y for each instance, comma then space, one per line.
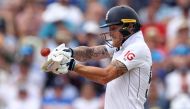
129, 56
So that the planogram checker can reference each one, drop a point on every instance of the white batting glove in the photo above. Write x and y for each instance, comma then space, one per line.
61, 48
59, 60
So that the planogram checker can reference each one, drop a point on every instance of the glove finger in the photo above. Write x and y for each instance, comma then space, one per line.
56, 51
63, 53
61, 56
46, 66
57, 58
65, 59
66, 54
63, 69
60, 47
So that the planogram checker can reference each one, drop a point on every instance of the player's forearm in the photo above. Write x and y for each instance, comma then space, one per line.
102, 75
93, 73
84, 53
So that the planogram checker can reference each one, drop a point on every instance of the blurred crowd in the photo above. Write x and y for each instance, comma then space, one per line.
26, 26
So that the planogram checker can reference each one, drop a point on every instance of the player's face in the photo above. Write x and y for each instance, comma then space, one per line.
116, 35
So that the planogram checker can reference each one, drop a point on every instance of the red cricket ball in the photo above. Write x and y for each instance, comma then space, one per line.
45, 52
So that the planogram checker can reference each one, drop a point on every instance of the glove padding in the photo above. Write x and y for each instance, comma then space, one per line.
60, 49
59, 61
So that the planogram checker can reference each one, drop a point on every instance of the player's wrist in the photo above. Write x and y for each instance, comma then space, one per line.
77, 67
72, 64
72, 52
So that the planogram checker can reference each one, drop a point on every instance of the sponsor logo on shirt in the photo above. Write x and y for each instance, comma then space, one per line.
129, 56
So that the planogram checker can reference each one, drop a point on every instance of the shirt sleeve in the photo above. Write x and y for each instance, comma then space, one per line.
131, 57
110, 50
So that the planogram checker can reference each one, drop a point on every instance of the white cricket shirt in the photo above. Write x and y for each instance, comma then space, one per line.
129, 91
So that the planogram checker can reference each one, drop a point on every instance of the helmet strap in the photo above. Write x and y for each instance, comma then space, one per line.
128, 29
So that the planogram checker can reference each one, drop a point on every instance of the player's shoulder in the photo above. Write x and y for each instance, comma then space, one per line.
138, 48
135, 40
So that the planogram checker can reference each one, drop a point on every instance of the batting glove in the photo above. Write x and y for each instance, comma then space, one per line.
60, 60
62, 48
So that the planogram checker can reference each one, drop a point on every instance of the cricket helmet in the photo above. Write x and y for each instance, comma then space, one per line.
122, 15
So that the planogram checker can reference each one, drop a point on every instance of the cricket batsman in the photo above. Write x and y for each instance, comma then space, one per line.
128, 76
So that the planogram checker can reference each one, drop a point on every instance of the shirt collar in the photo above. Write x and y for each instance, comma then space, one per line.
133, 37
